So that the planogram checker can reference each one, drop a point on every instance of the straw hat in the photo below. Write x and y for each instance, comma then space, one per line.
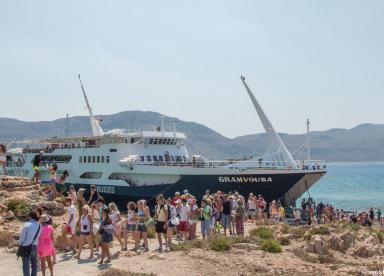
44, 218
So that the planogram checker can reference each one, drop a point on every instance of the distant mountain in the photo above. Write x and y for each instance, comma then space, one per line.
362, 143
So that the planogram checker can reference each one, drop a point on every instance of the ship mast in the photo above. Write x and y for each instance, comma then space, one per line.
285, 154
308, 144
95, 123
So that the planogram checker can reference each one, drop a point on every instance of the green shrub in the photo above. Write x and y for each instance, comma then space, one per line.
187, 245
262, 232
242, 239
219, 243
298, 232
20, 207
23, 209
354, 227
322, 230
12, 203
271, 246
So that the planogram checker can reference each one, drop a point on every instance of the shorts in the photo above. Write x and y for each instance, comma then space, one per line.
170, 225
251, 212
60, 187
160, 227
141, 227
131, 227
183, 226
53, 182
225, 220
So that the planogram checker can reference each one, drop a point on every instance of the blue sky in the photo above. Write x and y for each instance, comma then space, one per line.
322, 60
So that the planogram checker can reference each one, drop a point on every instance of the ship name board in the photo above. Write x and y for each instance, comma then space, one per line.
244, 179
105, 189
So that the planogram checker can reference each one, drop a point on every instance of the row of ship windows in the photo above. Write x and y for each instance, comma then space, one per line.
93, 159
148, 158
161, 158
161, 141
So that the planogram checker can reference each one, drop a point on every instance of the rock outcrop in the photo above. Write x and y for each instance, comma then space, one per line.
317, 245
342, 242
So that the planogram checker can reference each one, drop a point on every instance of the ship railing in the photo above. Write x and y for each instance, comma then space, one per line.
15, 164
311, 165
19, 164
53, 148
236, 164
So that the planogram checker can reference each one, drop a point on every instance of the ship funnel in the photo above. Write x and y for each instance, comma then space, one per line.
281, 153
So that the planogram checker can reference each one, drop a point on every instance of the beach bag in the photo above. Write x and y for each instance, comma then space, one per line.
25, 251
107, 233
175, 221
149, 222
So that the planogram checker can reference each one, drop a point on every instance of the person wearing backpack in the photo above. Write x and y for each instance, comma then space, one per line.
106, 232
29, 238
161, 219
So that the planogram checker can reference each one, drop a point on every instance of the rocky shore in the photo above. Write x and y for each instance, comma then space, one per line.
269, 249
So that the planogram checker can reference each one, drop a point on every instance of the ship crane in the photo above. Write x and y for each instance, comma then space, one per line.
284, 154
95, 123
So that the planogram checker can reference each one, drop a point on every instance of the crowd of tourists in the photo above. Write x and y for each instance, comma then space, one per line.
320, 213
91, 221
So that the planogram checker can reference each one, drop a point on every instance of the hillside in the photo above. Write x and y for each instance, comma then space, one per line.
362, 143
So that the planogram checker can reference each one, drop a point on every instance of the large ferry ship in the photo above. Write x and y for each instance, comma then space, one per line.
137, 165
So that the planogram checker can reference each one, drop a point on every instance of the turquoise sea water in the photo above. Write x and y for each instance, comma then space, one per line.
351, 186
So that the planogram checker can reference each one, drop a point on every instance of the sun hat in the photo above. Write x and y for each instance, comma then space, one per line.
44, 218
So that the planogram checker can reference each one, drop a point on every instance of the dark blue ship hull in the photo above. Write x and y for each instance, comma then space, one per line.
271, 186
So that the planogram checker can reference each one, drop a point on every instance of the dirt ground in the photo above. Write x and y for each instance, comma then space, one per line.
200, 262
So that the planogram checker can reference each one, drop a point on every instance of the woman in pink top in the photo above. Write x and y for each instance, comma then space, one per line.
45, 248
